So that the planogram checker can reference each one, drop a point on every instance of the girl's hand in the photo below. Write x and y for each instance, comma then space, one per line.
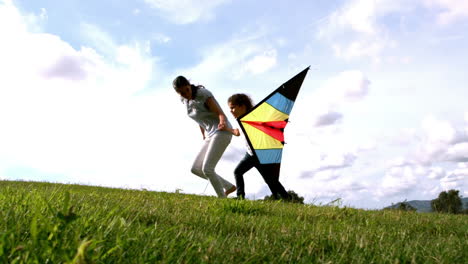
222, 125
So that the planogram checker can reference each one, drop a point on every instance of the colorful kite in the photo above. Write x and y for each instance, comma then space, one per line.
264, 124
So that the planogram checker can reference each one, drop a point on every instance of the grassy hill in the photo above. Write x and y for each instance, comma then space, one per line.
56, 223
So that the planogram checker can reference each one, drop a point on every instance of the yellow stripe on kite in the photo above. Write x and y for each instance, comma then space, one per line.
265, 113
260, 140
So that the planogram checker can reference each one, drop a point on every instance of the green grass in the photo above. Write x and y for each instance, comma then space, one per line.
57, 223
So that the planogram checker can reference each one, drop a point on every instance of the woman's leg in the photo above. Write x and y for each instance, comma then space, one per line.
217, 144
244, 165
197, 167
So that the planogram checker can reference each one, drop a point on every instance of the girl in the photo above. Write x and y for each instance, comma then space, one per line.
239, 104
203, 108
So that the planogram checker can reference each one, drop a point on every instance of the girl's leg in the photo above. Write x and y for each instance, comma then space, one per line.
280, 190
217, 144
276, 188
244, 165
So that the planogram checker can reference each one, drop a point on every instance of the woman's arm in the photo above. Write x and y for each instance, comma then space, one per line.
213, 106
202, 132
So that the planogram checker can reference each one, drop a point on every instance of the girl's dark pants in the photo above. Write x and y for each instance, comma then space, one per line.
247, 163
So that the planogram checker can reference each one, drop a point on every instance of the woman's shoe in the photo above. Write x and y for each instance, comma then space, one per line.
231, 190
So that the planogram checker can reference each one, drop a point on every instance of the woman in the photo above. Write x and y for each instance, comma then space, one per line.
203, 108
239, 104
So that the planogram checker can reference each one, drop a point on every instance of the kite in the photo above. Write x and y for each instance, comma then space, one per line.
264, 124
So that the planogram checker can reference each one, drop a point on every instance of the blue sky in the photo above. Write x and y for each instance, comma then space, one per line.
86, 96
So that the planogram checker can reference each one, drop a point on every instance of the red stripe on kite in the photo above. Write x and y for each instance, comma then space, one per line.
272, 128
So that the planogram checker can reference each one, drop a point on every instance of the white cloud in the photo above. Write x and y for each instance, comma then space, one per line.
240, 57
397, 181
357, 29
337, 160
438, 131
98, 39
67, 67
326, 189
261, 63
436, 173
405, 136
328, 153
452, 10
440, 146
161, 38
456, 180
329, 166
360, 17
348, 86
363, 16
400, 162
357, 85
440, 141
43, 14
466, 123
326, 103
367, 145
186, 11
406, 180
326, 175
371, 48
458, 152
328, 118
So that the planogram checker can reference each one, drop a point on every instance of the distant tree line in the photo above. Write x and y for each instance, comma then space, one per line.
448, 202
404, 206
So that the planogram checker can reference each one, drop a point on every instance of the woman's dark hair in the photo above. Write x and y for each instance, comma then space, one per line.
240, 100
180, 81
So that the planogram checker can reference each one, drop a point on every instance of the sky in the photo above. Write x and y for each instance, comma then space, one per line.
86, 93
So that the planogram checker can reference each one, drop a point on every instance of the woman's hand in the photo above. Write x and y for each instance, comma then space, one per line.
213, 106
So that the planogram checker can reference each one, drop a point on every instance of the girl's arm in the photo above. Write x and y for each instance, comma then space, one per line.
234, 131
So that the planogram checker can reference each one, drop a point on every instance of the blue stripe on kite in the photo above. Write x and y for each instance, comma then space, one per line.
281, 103
267, 156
